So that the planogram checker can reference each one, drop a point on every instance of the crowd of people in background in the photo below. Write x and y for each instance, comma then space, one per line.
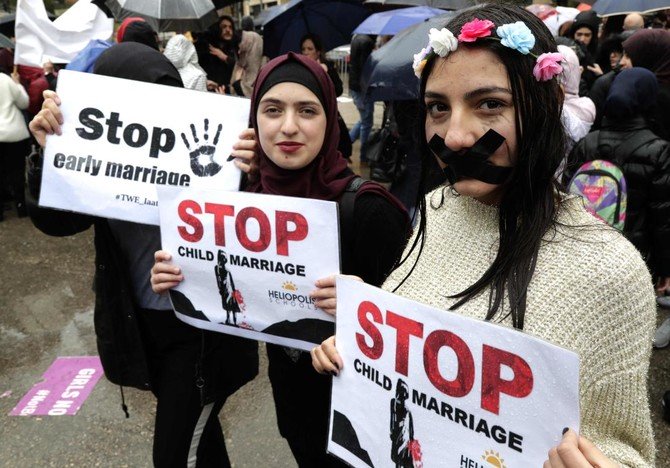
614, 106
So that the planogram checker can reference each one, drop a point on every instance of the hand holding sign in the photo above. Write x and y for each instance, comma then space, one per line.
48, 120
577, 452
164, 275
326, 359
244, 152
326, 293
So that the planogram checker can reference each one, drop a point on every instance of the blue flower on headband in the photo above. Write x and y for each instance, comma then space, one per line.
516, 36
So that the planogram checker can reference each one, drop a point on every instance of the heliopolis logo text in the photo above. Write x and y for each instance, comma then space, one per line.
289, 296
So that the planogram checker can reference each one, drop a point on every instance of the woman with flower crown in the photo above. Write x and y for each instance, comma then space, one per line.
501, 241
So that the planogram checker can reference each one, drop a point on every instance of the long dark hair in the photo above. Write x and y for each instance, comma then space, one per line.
528, 207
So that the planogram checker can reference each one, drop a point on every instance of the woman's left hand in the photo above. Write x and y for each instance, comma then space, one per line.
577, 452
663, 286
595, 69
326, 293
326, 359
218, 53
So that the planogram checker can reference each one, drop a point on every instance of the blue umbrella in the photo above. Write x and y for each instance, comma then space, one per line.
6, 42
388, 73
332, 20
444, 4
622, 7
393, 21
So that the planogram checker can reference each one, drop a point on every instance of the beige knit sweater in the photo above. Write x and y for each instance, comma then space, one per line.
591, 293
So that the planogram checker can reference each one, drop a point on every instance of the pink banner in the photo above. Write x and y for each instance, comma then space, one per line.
65, 386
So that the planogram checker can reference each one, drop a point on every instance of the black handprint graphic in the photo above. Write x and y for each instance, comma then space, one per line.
202, 156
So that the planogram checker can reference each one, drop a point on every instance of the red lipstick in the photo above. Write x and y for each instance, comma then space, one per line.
289, 146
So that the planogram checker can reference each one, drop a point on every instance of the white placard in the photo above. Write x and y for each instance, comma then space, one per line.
122, 138
425, 387
250, 261
38, 39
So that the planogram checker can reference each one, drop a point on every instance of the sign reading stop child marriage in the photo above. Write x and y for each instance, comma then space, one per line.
250, 261
425, 387
121, 138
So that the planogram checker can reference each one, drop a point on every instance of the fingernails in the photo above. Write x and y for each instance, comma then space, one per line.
333, 373
565, 429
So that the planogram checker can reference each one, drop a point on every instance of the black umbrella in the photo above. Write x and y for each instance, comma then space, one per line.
332, 20
388, 73
5, 42
620, 7
7, 23
167, 15
443, 4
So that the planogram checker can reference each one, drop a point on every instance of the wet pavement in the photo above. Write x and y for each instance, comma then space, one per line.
46, 307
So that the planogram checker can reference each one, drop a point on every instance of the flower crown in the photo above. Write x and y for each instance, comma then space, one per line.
516, 36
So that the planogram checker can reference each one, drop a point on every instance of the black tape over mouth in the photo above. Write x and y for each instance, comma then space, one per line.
472, 163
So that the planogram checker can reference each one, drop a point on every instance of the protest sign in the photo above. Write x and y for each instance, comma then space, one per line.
122, 138
39, 40
425, 387
250, 261
64, 387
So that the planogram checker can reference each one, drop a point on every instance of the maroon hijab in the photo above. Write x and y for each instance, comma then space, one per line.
327, 176
650, 49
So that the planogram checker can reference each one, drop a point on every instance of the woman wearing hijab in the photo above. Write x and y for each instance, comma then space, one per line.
294, 115
181, 52
650, 49
249, 61
578, 112
135, 29
141, 343
584, 31
646, 167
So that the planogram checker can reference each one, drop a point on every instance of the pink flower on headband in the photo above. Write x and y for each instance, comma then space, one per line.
547, 66
475, 29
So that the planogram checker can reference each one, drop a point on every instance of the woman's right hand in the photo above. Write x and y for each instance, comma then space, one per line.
326, 359
164, 275
48, 120
244, 152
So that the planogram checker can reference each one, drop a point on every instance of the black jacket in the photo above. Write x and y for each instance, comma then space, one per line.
118, 335
362, 46
334, 76
647, 173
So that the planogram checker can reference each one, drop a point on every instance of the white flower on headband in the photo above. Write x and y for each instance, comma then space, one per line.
442, 41
420, 60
